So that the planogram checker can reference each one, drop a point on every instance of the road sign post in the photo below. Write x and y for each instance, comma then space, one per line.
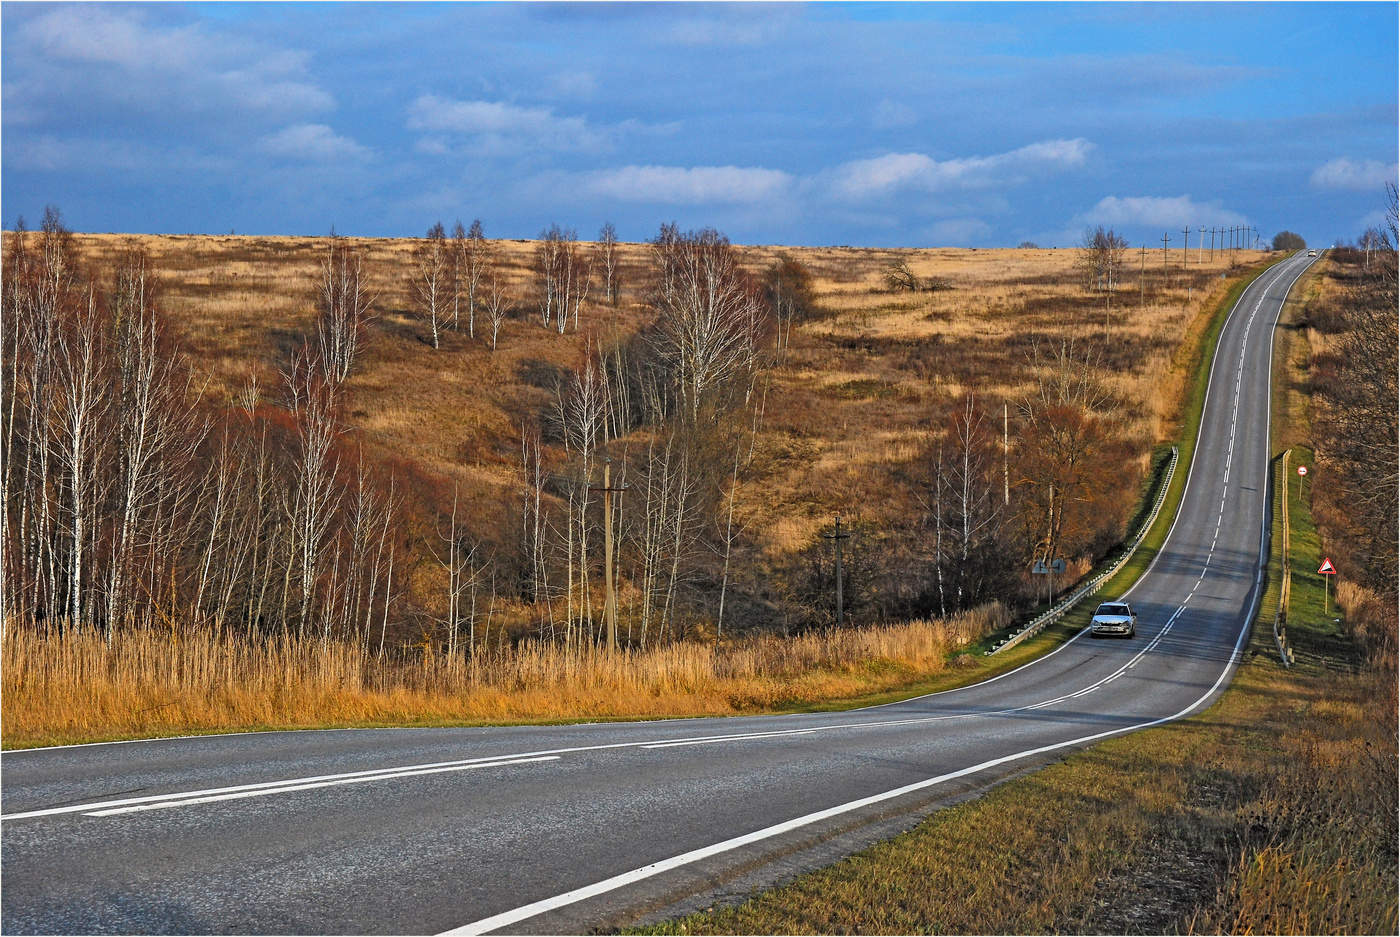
1326, 569
1302, 471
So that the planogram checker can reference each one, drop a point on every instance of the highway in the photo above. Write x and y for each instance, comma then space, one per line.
563, 829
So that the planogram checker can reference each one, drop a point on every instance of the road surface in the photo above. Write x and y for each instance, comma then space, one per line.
566, 828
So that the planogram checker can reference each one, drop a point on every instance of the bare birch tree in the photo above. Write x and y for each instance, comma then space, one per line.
345, 308
608, 257
432, 279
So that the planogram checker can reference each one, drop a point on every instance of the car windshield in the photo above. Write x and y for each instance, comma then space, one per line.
1107, 609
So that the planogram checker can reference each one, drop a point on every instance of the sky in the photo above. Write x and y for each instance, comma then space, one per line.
962, 125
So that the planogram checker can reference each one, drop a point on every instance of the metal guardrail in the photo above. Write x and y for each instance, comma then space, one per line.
1048, 618
1285, 652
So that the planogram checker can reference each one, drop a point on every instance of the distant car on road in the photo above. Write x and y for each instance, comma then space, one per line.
1115, 618
1312, 253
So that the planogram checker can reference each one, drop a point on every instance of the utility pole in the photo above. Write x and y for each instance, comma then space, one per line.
1185, 243
1212, 243
1142, 278
1165, 239
610, 591
1050, 546
1201, 245
836, 537
1006, 452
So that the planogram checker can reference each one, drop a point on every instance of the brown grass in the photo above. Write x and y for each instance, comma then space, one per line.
66, 688
840, 414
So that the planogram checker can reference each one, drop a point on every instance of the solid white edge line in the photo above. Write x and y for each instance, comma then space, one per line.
486, 925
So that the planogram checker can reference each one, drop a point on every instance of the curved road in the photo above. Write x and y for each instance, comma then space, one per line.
564, 829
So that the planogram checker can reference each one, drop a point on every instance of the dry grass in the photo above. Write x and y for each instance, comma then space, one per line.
67, 688
842, 414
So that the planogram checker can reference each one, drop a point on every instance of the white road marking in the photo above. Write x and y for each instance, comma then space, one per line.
178, 801
270, 786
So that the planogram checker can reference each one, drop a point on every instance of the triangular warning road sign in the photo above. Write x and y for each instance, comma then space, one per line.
1327, 569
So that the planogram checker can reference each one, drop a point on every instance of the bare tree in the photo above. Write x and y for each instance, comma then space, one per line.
563, 276
458, 264
709, 317
497, 305
345, 308
478, 259
607, 250
81, 407
156, 419
900, 278
432, 278
1099, 259
965, 476
315, 494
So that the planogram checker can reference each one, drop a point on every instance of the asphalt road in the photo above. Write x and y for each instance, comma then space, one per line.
564, 829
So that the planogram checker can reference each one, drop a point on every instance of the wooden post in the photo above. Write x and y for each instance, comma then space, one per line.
609, 587
837, 536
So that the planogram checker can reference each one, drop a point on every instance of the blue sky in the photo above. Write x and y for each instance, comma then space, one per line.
862, 124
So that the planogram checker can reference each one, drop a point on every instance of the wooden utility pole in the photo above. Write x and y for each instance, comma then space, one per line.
1006, 452
1165, 239
1142, 278
1201, 246
1185, 243
1212, 242
609, 587
836, 537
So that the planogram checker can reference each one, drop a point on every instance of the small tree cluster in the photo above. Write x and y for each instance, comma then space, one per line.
1099, 259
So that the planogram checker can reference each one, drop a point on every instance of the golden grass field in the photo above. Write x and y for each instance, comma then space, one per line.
843, 416
845, 424
67, 687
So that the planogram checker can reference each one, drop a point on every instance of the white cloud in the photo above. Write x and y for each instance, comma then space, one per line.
184, 64
313, 143
678, 185
882, 175
1343, 173
1152, 210
497, 125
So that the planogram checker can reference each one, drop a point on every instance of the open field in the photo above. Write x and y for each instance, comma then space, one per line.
844, 417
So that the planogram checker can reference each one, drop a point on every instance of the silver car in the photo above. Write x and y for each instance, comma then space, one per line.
1115, 618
